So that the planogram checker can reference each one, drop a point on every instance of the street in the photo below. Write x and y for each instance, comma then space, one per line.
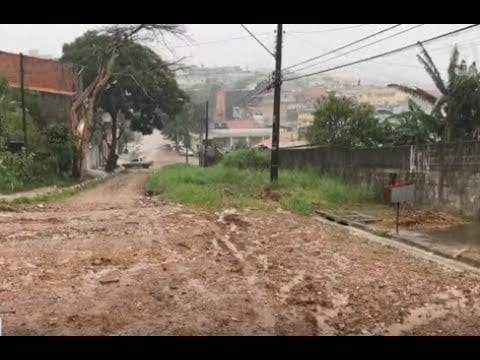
112, 261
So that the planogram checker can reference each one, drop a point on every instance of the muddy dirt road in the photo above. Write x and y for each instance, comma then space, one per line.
110, 261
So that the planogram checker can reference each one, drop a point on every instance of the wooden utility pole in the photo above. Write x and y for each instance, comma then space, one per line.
186, 142
206, 136
276, 107
22, 93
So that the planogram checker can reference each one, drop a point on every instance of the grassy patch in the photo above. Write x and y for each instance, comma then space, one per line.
57, 195
214, 187
6, 186
53, 196
6, 189
227, 186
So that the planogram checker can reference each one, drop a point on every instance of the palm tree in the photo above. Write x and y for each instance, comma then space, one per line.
459, 99
413, 126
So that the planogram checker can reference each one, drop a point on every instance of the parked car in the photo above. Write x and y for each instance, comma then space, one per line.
182, 151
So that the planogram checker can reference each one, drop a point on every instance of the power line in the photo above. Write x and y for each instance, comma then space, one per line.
305, 41
263, 34
220, 40
362, 47
443, 47
331, 29
387, 53
253, 35
343, 47
257, 91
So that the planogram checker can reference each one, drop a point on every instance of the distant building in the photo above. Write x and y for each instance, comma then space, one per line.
36, 53
236, 112
192, 76
305, 119
242, 124
284, 142
219, 115
309, 94
381, 96
229, 139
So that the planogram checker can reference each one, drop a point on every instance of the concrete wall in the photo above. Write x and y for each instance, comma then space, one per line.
444, 174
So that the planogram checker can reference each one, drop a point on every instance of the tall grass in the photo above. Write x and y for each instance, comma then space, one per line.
254, 159
225, 185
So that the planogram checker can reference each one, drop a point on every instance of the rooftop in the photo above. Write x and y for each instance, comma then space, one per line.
242, 124
224, 133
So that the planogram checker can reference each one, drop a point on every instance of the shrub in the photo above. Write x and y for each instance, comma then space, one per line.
255, 159
59, 142
15, 170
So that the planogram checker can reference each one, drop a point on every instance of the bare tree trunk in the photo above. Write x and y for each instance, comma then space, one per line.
83, 107
79, 162
83, 114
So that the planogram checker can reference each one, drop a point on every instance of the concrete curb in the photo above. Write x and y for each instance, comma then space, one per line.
386, 235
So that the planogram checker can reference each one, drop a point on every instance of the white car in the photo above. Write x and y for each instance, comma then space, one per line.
182, 151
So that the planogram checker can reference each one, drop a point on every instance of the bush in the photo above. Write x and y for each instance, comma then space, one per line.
24, 171
59, 142
254, 159
15, 170
49, 156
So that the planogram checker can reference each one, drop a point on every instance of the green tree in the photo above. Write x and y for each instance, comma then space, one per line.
457, 109
342, 121
141, 93
190, 120
84, 106
413, 126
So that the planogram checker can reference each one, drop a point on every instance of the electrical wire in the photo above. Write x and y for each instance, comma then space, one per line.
362, 47
220, 40
387, 53
343, 47
261, 44
331, 29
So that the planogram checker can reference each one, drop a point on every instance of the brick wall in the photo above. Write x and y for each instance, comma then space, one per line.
42, 75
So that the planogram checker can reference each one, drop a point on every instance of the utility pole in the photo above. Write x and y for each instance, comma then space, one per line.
186, 142
206, 136
22, 93
277, 81
176, 134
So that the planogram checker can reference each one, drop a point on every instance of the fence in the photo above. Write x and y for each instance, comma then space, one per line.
444, 174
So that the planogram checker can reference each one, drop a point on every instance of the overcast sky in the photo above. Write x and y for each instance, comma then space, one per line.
230, 44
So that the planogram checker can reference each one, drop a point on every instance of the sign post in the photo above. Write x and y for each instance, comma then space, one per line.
400, 194
398, 217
